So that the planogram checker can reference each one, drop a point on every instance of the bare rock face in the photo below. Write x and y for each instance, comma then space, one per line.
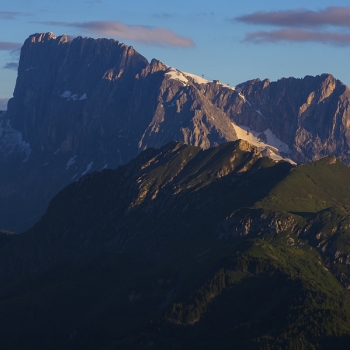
83, 105
311, 115
70, 92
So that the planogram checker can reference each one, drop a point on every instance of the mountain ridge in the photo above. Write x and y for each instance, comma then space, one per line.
86, 104
159, 251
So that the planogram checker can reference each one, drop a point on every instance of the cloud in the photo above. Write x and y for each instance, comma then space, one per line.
163, 15
3, 103
300, 25
330, 16
9, 46
9, 15
298, 35
11, 65
12, 15
156, 36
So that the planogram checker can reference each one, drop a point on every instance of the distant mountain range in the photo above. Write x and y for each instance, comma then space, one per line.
185, 248
84, 105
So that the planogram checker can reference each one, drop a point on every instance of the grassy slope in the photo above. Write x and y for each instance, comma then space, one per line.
262, 292
311, 187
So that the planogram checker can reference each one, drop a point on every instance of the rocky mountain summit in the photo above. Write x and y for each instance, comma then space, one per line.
83, 105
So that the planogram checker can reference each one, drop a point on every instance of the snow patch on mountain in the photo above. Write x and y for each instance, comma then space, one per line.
228, 86
196, 78
175, 74
88, 168
274, 141
11, 140
272, 148
70, 162
66, 94
245, 100
258, 111
73, 97
69, 96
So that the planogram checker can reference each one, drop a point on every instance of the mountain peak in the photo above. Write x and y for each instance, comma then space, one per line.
244, 145
86, 104
42, 37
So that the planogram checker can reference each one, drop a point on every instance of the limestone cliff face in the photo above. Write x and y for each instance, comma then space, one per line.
311, 115
89, 96
82, 105
71, 92
68, 116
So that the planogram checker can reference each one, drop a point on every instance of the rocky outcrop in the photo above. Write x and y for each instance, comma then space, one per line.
258, 221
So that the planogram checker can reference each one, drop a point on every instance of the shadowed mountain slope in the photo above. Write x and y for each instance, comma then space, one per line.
183, 248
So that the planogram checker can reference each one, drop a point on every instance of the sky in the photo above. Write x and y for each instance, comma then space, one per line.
232, 41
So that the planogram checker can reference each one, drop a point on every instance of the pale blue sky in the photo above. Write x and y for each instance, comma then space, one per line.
289, 39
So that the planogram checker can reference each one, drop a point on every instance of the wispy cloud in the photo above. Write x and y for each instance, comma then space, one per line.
330, 16
298, 35
3, 103
163, 15
12, 15
9, 46
11, 65
156, 36
9, 15
301, 25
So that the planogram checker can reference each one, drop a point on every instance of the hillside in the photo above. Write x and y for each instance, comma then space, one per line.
185, 248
